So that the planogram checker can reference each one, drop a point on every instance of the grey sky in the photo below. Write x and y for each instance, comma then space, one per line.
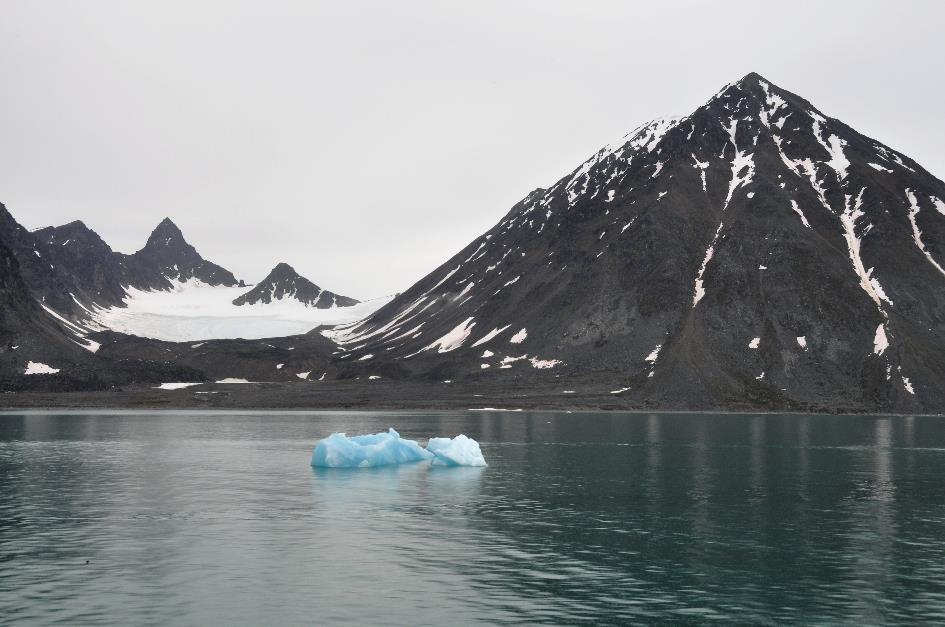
366, 142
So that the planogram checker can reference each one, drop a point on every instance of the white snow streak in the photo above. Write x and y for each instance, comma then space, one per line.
851, 214
743, 169
519, 337
454, 339
798, 211
916, 233
491, 334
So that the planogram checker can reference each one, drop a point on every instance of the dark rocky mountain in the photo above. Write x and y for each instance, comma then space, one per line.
168, 256
283, 283
28, 334
755, 252
40, 350
71, 270
86, 261
50, 283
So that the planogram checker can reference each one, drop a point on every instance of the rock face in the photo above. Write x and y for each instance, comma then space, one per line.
755, 252
86, 262
284, 283
167, 256
28, 334
51, 283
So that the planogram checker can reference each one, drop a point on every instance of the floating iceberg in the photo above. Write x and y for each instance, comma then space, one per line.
385, 449
367, 451
459, 451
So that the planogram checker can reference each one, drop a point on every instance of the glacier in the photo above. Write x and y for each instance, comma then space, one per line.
388, 448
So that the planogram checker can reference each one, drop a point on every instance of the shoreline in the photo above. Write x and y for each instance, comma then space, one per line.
392, 396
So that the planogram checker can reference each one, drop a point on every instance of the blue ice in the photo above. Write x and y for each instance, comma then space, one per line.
388, 448
458, 451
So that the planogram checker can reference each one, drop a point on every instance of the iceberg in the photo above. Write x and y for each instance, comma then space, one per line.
388, 448
367, 451
459, 451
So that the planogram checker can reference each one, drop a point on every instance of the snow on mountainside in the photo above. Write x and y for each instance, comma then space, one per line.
284, 283
194, 311
754, 252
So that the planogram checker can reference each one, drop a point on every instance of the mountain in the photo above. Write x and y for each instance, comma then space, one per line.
755, 253
30, 338
168, 256
284, 283
87, 262
51, 284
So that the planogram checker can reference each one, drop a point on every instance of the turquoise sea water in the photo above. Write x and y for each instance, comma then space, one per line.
217, 518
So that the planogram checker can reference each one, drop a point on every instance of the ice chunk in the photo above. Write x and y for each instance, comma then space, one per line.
458, 451
367, 451
386, 449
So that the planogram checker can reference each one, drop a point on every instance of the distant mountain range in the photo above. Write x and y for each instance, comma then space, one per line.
753, 254
57, 282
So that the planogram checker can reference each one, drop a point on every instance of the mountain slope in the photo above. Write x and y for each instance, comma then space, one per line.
284, 283
90, 264
755, 251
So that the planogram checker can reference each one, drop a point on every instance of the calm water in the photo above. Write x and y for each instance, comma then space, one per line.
216, 518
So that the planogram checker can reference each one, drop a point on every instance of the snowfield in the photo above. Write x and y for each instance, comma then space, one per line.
197, 311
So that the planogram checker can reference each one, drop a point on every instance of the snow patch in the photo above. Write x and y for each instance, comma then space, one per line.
880, 342
519, 337
755, 343
654, 354
36, 367
544, 364
454, 339
175, 386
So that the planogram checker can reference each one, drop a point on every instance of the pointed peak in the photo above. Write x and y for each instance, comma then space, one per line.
753, 77
167, 223
165, 234
283, 272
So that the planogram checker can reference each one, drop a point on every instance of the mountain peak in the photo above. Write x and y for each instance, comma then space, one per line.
168, 256
284, 283
753, 77
282, 269
166, 233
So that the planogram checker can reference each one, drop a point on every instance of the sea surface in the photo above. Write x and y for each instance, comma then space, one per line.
198, 518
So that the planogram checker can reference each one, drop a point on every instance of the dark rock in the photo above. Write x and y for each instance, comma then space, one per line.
284, 282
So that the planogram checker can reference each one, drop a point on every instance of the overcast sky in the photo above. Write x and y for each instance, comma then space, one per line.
367, 142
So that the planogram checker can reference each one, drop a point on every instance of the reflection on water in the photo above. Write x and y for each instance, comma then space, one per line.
189, 518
